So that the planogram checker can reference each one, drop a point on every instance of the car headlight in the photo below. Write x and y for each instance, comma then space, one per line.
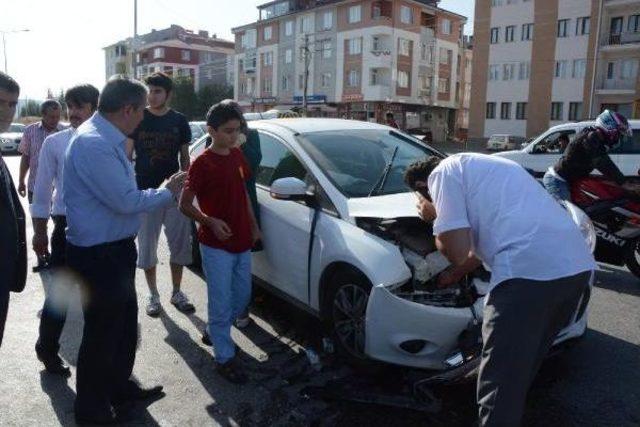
584, 223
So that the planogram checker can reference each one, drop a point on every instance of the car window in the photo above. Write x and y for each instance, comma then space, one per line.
196, 131
629, 145
16, 128
551, 144
355, 160
277, 162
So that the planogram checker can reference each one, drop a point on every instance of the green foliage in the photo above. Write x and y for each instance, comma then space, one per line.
195, 105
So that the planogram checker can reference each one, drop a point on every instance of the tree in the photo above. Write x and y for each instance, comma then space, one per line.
31, 108
210, 95
184, 98
63, 105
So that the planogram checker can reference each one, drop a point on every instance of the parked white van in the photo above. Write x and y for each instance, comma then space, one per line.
545, 150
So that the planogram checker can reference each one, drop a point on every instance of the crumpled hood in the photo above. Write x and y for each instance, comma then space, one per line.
400, 205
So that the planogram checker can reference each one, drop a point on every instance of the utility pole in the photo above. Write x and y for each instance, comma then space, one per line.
307, 63
135, 39
4, 44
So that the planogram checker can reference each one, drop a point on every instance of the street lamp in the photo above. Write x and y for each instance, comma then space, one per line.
4, 43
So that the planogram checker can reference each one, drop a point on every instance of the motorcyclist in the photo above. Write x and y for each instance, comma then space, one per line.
589, 151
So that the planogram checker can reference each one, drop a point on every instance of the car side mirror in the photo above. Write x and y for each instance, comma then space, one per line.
291, 189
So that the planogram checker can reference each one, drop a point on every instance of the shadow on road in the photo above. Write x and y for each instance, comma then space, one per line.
617, 280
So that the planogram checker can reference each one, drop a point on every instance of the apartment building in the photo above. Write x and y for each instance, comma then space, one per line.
616, 84
364, 57
176, 51
464, 91
540, 63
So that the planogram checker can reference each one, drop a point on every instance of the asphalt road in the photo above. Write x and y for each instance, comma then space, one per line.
595, 382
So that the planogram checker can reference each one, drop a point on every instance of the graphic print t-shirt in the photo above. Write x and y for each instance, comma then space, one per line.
158, 141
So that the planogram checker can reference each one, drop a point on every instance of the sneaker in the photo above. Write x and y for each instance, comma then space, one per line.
242, 322
182, 303
232, 372
153, 306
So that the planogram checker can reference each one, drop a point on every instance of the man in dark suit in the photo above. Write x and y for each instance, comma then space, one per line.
13, 248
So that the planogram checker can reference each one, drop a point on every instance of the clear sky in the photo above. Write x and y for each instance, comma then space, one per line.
64, 44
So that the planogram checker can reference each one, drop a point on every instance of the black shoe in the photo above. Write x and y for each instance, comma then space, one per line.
53, 363
140, 393
232, 372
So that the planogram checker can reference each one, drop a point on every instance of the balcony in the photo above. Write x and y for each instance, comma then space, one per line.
617, 86
618, 41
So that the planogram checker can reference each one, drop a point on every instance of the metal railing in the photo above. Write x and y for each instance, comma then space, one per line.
617, 39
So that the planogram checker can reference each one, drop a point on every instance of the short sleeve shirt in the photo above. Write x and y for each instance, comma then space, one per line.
157, 142
518, 229
218, 181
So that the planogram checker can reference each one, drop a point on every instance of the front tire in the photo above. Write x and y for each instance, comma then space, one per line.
632, 257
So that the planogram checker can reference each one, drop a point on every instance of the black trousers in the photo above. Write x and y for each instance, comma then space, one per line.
107, 352
522, 318
4, 306
60, 284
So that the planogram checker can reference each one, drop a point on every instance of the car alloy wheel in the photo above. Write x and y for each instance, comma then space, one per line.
349, 310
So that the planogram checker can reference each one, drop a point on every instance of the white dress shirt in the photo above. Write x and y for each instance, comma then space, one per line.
48, 183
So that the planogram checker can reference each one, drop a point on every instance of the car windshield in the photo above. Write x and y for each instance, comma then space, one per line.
355, 160
16, 128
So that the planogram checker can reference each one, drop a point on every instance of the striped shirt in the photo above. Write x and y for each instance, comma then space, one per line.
32, 139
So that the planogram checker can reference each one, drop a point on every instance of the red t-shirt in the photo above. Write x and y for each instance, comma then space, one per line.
219, 185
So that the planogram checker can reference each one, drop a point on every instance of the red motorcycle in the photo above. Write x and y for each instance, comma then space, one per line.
616, 219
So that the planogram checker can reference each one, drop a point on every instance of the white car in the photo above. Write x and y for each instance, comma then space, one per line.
342, 239
503, 142
10, 140
544, 151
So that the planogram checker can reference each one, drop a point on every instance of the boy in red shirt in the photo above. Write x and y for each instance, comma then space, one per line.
228, 229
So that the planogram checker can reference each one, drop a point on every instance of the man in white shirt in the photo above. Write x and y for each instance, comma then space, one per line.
490, 210
82, 102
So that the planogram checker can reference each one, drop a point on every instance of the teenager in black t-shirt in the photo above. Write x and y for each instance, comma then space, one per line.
161, 148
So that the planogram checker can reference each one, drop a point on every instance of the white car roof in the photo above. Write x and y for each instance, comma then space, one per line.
635, 124
307, 125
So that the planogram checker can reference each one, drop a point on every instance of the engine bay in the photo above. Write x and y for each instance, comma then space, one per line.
416, 243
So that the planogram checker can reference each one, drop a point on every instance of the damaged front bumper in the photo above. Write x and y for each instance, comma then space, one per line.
412, 334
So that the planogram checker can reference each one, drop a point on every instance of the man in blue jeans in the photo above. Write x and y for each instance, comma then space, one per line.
228, 230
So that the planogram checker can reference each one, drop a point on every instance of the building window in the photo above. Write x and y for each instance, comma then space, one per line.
423, 51
267, 59
325, 80
583, 26
575, 111
266, 85
377, 44
579, 68
556, 111
355, 14
508, 71
327, 20
267, 33
286, 82
305, 24
327, 47
563, 28
494, 72
509, 33
527, 32
524, 70
443, 85
355, 46
495, 35
561, 70
505, 111
353, 78
629, 69
633, 25
406, 15
186, 55
444, 56
446, 26
403, 79
405, 47
496, 3
158, 52
288, 56
610, 70
375, 77
521, 111
491, 110
288, 28
300, 81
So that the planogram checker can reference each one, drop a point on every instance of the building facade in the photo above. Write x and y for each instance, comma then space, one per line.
206, 59
540, 63
363, 58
